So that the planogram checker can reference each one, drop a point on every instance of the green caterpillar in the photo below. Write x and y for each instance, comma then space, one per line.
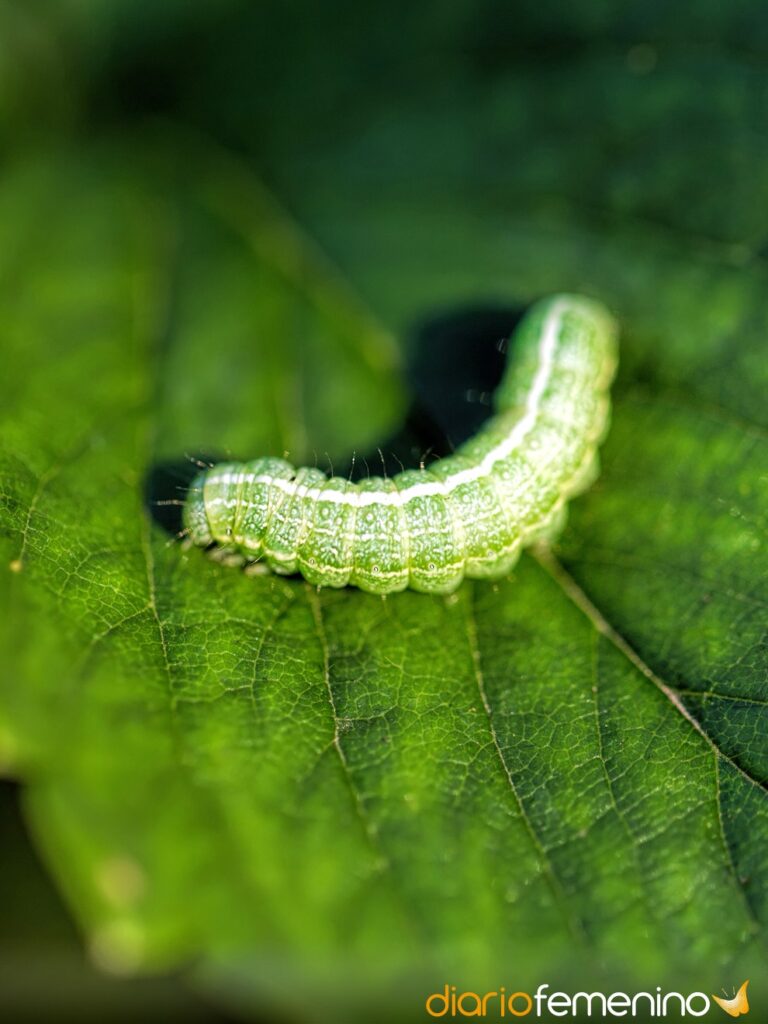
469, 514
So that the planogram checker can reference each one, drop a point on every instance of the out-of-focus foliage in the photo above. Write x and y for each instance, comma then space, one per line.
43, 973
569, 765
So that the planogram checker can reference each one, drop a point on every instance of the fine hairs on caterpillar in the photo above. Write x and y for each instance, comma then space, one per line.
469, 514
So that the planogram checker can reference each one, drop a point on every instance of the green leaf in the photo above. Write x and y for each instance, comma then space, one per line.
562, 772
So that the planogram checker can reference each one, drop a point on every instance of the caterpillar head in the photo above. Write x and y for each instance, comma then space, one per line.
194, 516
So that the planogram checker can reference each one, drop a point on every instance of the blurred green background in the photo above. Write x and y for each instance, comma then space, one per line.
627, 143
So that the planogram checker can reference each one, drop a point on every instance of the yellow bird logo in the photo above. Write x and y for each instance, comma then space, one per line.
736, 1006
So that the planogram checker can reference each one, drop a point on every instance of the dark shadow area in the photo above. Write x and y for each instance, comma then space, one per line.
456, 362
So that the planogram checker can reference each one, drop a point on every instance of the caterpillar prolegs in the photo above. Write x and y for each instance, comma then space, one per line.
469, 514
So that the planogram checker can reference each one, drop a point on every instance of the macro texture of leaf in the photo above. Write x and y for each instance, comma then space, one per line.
569, 764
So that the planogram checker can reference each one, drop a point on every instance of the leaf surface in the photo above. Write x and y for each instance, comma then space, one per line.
569, 763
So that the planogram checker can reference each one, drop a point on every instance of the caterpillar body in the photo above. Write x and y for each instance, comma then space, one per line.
468, 514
